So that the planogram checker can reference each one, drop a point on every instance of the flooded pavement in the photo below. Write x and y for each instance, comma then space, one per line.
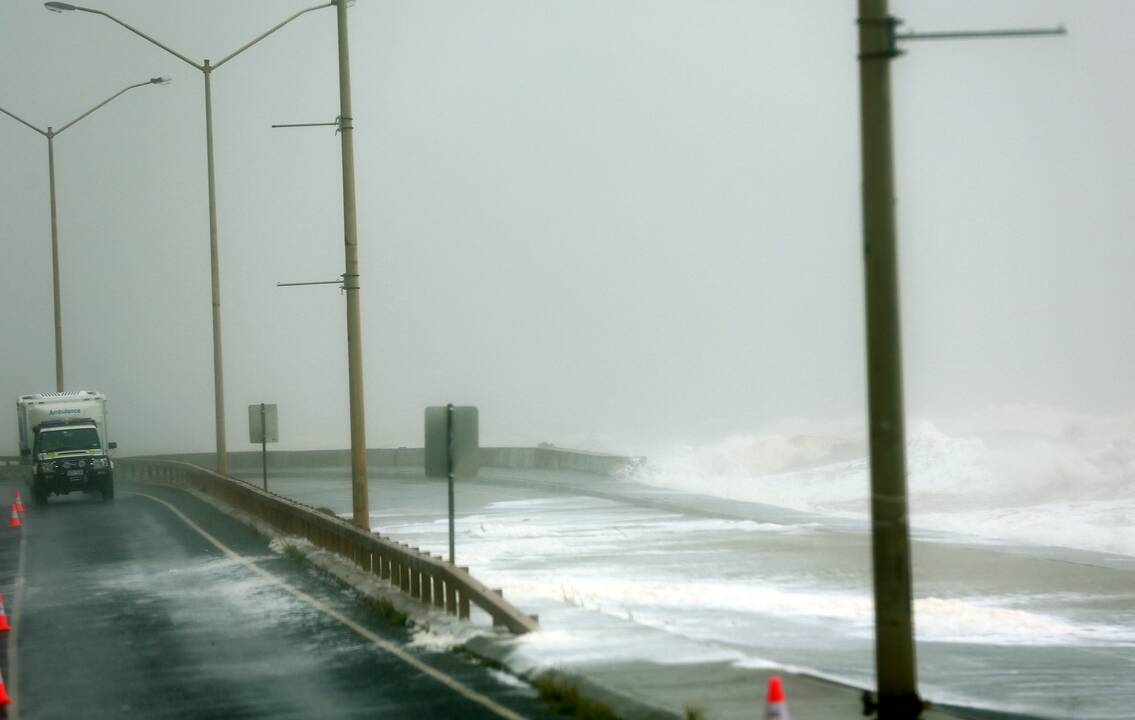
132, 609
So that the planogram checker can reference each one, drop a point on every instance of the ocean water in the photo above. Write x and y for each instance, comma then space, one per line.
1024, 588
615, 582
755, 551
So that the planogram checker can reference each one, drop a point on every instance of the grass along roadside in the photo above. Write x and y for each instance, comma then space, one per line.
565, 699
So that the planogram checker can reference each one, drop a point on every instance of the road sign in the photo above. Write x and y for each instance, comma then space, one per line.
263, 429
452, 450
452, 442
262, 424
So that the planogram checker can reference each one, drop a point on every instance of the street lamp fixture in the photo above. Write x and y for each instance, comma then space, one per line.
50, 133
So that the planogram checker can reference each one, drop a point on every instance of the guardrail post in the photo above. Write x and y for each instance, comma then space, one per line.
450, 597
463, 598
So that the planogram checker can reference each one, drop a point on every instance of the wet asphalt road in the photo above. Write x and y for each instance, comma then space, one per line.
127, 611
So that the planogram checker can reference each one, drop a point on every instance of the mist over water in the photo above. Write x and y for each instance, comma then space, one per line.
1021, 473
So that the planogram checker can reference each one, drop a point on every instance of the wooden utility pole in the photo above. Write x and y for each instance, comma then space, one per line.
890, 535
890, 532
360, 502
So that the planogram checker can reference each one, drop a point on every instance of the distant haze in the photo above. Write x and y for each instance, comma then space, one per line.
604, 223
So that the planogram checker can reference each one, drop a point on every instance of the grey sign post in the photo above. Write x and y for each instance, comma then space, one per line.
263, 428
452, 450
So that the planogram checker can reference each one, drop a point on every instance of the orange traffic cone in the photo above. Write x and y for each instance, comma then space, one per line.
777, 707
19, 503
4, 699
15, 521
4, 626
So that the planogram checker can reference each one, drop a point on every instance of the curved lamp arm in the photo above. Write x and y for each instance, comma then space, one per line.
233, 54
62, 7
151, 81
25, 122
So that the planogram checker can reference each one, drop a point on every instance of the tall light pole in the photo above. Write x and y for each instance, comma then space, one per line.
206, 70
50, 133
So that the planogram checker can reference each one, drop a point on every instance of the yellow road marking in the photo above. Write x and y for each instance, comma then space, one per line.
389, 647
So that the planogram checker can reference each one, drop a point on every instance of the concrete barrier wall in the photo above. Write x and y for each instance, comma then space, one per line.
521, 458
424, 577
550, 458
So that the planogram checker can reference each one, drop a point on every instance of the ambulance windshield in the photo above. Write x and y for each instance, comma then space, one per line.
65, 439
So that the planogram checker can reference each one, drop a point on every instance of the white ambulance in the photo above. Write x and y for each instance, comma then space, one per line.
63, 436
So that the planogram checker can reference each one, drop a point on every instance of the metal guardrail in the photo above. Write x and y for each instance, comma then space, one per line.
426, 578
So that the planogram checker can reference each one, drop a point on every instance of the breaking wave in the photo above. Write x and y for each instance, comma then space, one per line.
1017, 473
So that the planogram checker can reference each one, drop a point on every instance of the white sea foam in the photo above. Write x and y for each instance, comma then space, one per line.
722, 606
1024, 474
582, 559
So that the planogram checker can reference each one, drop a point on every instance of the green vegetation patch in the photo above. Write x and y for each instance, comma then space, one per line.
565, 700
384, 609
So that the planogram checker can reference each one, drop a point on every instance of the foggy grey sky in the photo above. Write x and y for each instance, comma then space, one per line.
619, 219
